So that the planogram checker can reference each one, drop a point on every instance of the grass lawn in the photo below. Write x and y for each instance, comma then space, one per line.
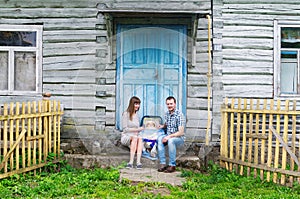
104, 183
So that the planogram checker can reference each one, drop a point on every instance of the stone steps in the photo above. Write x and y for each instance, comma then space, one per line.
115, 160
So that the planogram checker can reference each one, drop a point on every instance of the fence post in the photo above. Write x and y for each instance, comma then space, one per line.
250, 137
11, 133
238, 134
29, 134
276, 161
285, 139
270, 153
58, 127
244, 137
5, 135
256, 134
45, 127
263, 142
224, 133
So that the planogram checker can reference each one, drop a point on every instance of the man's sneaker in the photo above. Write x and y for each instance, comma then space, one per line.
139, 166
129, 166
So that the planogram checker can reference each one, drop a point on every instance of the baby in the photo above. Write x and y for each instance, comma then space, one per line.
150, 130
149, 135
150, 125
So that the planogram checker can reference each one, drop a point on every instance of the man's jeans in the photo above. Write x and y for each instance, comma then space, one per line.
172, 144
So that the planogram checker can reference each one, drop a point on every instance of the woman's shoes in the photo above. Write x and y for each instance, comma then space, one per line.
129, 166
139, 166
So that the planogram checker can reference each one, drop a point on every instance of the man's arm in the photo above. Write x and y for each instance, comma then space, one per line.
180, 132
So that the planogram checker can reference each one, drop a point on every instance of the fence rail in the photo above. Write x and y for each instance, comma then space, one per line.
260, 138
29, 131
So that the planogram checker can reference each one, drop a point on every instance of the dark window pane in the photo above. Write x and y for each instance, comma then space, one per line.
17, 38
289, 54
25, 71
3, 70
290, 37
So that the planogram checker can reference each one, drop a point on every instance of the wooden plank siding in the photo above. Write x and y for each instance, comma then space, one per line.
197, 86
69, 53
248, 45
79, 66
243, 63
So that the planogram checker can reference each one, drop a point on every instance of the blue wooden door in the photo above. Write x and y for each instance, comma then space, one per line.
151, 64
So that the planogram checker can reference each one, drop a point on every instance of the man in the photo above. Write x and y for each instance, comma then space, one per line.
174, 137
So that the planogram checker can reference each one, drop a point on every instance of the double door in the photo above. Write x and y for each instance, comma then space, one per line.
151, 64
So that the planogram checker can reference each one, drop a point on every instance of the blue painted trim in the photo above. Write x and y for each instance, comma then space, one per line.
184, 70
289, 52
118, 86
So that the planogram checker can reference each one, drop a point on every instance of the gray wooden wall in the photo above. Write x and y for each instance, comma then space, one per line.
248, 44
78, 68
197, 78
243, 63
69, 55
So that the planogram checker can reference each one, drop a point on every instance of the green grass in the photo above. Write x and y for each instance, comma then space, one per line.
105, 183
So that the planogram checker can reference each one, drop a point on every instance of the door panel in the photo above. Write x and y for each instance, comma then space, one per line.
151, 64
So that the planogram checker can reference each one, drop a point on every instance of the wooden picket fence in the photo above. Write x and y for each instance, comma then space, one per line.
260, 138
29, 132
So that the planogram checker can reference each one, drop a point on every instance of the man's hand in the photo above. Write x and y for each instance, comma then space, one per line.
165, 139
161, 126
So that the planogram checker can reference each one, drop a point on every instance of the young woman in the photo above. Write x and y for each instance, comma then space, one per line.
131, 129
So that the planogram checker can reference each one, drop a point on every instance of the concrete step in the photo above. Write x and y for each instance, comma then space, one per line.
115, 160
152, 175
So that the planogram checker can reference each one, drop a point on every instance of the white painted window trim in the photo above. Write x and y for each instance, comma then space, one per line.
12, 49
277, 55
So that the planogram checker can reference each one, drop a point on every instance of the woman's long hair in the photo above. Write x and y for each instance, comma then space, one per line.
130, 109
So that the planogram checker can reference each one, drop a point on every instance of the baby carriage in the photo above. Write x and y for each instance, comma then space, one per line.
149, 135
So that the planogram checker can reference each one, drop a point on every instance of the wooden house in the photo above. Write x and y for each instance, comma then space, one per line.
94, 55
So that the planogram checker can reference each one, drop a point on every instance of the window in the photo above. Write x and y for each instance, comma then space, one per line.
20, 59
287, 59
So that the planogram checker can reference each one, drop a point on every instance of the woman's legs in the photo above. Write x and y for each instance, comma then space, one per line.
139, 150
136, 146
133, 145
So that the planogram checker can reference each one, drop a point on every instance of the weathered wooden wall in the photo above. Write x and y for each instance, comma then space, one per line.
243, 62
197, 73
248, 44
69, 55
77, 65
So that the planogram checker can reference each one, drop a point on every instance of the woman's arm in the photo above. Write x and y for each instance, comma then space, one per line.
125, 120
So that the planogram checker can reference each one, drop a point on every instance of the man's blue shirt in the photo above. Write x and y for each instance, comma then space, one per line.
173, 121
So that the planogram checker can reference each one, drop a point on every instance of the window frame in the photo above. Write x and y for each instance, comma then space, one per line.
11, 58
278, 24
